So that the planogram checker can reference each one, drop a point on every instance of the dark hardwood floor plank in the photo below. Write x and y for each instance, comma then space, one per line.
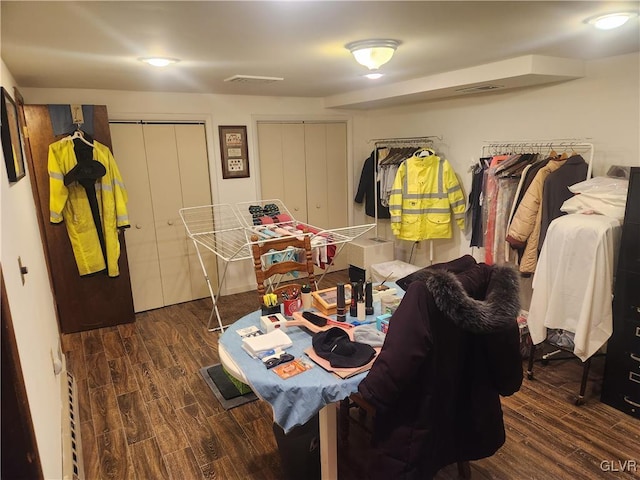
104, 410
182, 356
221, 469
90, 454
135, 418
84, 401
115, 457
182, 465
71, 341
203, 395
166, 426
175, 383
136, 351
92, 342
259, 433
235, 443
596, 465
77, 363
126, 330
113, 347
122, 376
148, 461
147, 379
200, 435
160, 355
98, 374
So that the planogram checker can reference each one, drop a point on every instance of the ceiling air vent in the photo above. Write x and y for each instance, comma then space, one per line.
478, 88
252, 79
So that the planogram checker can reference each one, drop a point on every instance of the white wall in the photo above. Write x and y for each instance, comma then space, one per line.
32, 310
604, 106
214, 110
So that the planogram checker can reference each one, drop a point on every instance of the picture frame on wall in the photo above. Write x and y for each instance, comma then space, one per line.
11, 137
234, 151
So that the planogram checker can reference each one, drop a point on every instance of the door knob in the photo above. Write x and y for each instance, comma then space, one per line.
138, 226
317, 205
169, 222
296, 209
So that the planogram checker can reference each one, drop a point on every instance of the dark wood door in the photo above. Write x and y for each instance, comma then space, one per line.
83, 302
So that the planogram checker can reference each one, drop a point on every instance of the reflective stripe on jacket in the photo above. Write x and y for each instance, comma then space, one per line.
70, 203
425, 192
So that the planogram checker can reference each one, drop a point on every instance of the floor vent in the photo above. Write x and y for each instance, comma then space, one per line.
72, 467
252, 79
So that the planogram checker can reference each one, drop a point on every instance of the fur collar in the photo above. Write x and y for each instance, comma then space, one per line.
498, 311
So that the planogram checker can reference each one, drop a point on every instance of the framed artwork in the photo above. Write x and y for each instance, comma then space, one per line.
11, 138
234, 151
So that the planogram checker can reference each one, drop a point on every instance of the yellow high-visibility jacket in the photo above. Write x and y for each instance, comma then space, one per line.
425, 192
70, 203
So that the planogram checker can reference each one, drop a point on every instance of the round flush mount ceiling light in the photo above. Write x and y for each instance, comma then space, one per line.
374, 76
610, 21
159, 61
373, 53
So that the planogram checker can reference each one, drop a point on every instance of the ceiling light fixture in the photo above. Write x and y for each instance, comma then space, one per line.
610, 21
373, 53
159, 61
374, 76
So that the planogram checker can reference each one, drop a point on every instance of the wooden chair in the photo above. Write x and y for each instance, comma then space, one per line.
366, 409
260, 248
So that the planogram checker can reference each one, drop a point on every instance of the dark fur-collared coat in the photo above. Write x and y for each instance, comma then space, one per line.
451, 350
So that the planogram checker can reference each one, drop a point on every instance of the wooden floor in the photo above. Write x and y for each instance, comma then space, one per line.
146, 414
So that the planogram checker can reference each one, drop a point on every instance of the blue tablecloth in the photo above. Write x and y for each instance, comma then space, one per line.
297, 399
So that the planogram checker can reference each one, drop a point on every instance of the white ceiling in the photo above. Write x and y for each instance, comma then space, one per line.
95, 45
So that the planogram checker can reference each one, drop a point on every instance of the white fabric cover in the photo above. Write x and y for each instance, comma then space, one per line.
572, 285
602, 195
394, 269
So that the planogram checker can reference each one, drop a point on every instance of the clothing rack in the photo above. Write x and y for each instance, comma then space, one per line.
226, 231
423, 141
560, 145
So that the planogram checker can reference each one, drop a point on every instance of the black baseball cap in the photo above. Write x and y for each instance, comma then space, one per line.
336, 346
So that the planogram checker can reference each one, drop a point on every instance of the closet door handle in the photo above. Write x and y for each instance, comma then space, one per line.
138, 226
318, 205
296, 209
169, 222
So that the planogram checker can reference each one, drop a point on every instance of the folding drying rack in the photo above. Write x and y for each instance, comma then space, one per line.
226, 231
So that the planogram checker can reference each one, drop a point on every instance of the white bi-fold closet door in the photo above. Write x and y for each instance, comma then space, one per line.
304, 164
165, 167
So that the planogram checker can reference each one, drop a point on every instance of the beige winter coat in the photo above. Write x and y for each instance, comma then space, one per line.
525, 226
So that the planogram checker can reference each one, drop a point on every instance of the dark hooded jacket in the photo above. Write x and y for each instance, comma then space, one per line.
451, 350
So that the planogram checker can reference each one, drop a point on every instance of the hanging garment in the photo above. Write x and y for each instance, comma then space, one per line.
573, 284
369, 189
524, 230
71, 204
475, 206
556, 191
489, 206
425, 192
451, 351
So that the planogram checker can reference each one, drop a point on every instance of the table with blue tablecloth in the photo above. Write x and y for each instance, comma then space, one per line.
297, 399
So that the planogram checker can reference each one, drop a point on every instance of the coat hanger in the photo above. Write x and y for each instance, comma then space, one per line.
80, 135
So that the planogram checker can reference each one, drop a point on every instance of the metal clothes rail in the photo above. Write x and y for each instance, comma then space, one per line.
558, 145
226, 231
426, 141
